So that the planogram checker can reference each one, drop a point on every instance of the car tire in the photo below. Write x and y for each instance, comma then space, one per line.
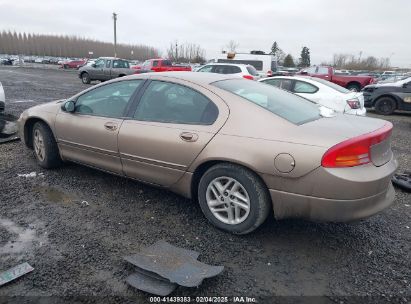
85, 78
250, 188
45, 146
354, 87
385, 106
65, 66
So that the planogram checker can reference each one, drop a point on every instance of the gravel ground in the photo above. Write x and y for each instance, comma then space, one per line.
77, 250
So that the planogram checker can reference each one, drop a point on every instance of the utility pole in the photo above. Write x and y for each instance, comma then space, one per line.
115, 34
176, 52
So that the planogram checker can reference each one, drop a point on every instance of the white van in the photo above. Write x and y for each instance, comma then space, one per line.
265, 64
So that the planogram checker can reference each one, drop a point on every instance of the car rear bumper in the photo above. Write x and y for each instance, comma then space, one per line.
290, 205
359, 112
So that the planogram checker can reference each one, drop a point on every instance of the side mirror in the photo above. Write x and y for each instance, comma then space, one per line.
68, 106
93, 65
405, 85
304, 73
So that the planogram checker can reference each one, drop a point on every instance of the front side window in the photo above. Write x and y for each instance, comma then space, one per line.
173, 103
100, 63
289, 106
155, 63
304, 87
109, 100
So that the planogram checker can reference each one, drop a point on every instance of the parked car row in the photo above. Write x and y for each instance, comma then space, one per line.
242, 149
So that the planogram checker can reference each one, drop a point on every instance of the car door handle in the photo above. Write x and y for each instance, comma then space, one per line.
188, 136
111, 126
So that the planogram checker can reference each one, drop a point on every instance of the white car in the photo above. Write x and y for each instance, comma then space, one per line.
323, 92
2, 98
238, 70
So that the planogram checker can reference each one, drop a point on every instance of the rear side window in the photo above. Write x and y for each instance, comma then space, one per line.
173, 103
289, 106
120, 64
167, 62
226, 69
304, 87
322, 71
284, 84
108, 63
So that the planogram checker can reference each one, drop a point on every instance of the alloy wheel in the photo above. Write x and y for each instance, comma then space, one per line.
228, 200
39, 145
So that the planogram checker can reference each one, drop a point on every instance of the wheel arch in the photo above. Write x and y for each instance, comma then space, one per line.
28, 130
202, 168
353, 82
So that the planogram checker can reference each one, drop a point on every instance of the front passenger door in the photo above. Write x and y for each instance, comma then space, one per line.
89, 134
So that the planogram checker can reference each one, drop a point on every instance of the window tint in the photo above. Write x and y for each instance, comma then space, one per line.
120, 64
155, 63
108, 63
252, 70
289, 106
100, 63
167, 63
109, 100
172, 103
226, 69
304, 87
206, 68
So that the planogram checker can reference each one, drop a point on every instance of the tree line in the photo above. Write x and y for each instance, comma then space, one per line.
186, 52
69, 46
351, 62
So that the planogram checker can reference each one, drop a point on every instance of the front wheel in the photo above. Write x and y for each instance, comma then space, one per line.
85, 78
45, 146
385, 106
233, 198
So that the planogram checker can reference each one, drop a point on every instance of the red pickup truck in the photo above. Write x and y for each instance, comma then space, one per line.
163, 65
351, 82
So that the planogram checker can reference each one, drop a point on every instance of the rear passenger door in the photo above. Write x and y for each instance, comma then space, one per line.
171, 123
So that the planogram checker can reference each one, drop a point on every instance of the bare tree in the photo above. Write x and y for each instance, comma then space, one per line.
232, 46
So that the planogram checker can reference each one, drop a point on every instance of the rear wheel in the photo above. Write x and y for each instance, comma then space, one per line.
85, 78
233, 198
45, 146
385, 106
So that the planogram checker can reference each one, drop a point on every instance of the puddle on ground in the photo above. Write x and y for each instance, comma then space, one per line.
55, 195
20, 240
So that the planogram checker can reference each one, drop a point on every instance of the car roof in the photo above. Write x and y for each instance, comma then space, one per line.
223, 63
199, 78
302, 78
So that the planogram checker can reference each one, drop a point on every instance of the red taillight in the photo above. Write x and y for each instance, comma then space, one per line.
354, 103
355, 151
248, 77
269, 73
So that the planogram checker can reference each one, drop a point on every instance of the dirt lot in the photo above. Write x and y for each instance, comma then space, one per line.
77, 250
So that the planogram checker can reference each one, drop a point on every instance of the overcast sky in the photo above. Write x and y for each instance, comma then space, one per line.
375, 27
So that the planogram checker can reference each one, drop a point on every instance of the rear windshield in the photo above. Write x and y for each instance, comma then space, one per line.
252, 70
291, 107
332, 85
